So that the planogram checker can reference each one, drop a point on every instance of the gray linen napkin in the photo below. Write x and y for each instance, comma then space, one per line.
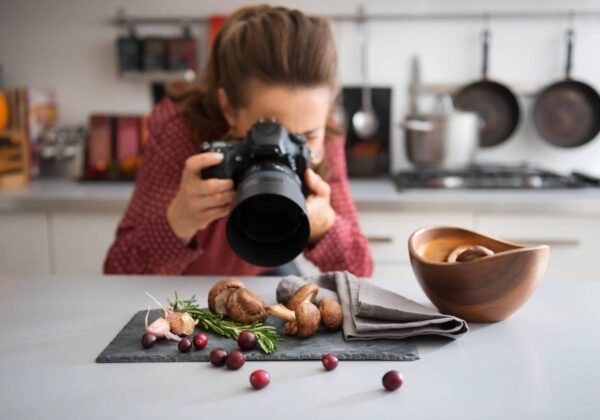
371, 312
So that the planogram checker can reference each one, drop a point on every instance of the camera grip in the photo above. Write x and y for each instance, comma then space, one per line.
217, 171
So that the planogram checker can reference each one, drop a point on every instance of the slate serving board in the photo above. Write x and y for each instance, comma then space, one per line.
126, 347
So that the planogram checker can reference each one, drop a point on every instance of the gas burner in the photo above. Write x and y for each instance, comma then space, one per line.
493, 177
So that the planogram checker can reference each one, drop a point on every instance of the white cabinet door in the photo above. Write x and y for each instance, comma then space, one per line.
392, 271
573, 241
80, 240
24, 243
388, 232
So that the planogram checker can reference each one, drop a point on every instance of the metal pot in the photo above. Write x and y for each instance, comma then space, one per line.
445, 139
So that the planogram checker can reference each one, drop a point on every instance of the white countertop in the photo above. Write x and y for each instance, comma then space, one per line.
369, 195
539, 364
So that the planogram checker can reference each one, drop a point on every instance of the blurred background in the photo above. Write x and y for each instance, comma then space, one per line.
79, 79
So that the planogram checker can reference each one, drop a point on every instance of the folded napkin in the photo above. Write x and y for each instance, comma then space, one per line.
371, 312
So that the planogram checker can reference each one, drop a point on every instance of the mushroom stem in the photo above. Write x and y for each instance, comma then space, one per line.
282, 312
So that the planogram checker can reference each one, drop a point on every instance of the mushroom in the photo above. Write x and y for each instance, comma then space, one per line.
331, 314
303, 322
245, 306
306, 293
465, 253
219, 294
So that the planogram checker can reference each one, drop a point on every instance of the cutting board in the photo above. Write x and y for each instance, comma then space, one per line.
126, 347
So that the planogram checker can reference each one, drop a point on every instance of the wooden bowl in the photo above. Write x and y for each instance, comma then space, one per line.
485, 290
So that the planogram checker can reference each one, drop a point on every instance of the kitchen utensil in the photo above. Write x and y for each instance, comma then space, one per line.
365, 121
181, 51
495, 103
129, 51
368, 157
126, 347
444, 139
567, 113
154, 56
61, 151
485, 290
414, 87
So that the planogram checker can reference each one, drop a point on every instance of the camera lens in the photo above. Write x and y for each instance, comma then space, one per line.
268, 225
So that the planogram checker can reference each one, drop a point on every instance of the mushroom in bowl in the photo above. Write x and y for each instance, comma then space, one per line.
491, 282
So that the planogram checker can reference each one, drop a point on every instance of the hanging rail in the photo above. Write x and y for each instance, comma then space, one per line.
122, 19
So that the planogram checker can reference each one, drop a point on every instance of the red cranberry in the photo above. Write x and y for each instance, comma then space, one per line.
247, 340
236, 360
218, 357
148, 340
260, 379
329, 361
200, 340
392, 380
185, 345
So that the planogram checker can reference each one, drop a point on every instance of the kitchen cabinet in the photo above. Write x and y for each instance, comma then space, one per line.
80, 240
573, 240
73, 240
388, 232
24, 243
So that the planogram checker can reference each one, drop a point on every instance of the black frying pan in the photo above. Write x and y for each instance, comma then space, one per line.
567, 113
496, 105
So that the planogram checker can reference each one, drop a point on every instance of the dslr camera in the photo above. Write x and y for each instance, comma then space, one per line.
268, 224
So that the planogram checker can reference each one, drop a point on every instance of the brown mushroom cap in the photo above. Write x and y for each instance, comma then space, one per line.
245, 306
331, 314
474, 253
308, 319
306, 293
219, 293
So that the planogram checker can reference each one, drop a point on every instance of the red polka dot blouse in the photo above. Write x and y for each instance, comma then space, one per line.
145, 243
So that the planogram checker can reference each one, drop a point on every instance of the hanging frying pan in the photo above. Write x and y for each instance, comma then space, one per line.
567, 113
495, 104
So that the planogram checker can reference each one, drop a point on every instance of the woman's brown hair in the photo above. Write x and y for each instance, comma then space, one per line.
272, 45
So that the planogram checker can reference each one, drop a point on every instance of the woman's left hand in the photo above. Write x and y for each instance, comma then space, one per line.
320, 213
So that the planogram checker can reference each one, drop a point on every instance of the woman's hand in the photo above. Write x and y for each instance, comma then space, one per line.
199, 201
320, 213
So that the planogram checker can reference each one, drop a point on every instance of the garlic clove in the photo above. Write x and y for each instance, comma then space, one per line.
188, 323
160, 327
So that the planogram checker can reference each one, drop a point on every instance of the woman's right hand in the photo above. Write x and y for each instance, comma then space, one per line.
199, 201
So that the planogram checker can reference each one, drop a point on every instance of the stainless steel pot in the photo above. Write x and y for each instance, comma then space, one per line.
445, 139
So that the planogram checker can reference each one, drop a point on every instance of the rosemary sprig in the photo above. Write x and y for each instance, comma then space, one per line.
266, 335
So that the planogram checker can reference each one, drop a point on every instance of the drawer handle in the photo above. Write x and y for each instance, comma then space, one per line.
549, 242
380, 239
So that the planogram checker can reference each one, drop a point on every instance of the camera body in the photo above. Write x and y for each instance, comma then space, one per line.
266, 142
268, 224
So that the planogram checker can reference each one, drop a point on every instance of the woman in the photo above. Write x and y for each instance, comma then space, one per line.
266, 62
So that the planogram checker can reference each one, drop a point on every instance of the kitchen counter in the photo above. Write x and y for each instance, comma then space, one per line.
369, 195
540, 363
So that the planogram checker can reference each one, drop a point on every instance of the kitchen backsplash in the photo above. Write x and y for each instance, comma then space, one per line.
78, 59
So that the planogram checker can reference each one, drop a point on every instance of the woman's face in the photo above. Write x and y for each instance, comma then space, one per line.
301, 110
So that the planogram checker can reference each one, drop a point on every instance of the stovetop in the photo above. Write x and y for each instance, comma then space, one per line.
493, 177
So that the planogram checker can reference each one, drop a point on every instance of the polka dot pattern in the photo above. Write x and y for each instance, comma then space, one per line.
145, 243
